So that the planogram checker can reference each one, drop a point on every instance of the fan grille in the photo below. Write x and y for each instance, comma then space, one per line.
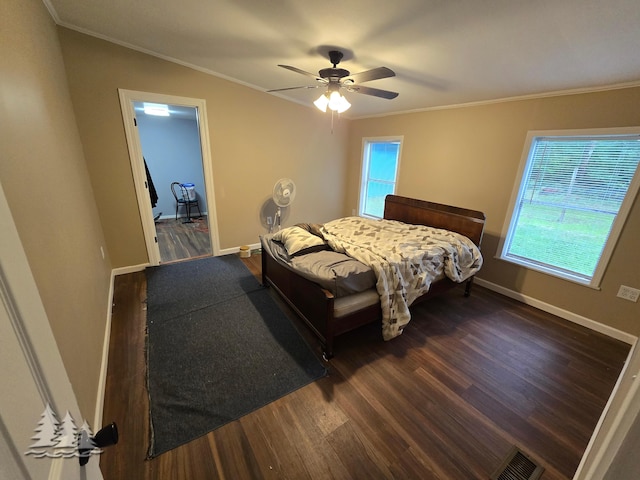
284, 192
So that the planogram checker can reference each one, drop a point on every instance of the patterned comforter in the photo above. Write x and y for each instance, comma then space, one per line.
405, 258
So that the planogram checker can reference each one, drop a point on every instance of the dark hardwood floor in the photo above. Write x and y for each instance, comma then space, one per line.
469, 378
181, 241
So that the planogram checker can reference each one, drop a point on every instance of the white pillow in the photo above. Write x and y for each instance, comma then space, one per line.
298, 241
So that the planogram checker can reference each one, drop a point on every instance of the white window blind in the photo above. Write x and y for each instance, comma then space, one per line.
570, 196
380, 164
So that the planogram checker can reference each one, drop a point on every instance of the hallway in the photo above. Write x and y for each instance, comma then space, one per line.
181, 241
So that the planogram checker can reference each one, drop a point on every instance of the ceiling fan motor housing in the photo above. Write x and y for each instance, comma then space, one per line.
334, 74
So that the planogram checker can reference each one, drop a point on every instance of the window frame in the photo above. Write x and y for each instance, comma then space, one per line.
364, 167
616, 228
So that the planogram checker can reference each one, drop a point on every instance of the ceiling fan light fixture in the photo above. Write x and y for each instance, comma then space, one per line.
338, 103
322, 102
334, 101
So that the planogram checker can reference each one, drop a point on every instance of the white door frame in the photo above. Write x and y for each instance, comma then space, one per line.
127, 99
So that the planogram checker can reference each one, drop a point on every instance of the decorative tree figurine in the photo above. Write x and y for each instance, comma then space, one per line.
67, 437
46, 434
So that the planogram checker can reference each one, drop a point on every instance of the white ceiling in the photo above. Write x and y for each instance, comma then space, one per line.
444, 52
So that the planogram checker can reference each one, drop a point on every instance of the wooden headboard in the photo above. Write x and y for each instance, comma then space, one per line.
469, 223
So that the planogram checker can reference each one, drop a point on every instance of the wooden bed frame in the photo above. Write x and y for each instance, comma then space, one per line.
315, 305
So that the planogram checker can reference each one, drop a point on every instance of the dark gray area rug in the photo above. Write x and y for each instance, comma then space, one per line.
218, 347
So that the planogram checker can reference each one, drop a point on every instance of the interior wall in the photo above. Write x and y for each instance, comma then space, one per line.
256, 138
171, 148
469, 157
45, 179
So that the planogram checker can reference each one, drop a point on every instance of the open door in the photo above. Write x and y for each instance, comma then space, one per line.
33, 374
128, 101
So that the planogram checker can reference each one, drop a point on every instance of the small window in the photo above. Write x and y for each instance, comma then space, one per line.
571, 199
380, 162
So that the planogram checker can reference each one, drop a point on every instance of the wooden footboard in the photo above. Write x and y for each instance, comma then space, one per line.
315, 305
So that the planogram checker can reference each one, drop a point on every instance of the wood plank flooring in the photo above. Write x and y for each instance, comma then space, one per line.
469, 378
181, 241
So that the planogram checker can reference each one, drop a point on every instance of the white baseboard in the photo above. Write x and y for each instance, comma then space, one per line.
102, 379
129, 269
229, 251
142, 266
559, 312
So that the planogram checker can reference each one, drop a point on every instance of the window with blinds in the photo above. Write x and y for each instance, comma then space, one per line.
380, 166
573, 196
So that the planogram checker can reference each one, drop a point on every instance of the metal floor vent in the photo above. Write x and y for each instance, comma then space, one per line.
518, 466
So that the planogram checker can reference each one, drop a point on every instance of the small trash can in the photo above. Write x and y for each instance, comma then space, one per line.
190, 188
245, 251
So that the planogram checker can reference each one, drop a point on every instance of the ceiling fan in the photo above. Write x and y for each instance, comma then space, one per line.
335, 78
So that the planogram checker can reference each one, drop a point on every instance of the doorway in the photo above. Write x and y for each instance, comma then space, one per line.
171, 150
168, 143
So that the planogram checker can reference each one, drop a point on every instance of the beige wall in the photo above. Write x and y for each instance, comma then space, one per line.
45, 179
256, 139
469, 156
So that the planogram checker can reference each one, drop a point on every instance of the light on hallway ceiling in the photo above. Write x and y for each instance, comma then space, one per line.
157, 109
334, 101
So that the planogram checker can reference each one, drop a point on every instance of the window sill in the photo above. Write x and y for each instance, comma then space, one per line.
585, 282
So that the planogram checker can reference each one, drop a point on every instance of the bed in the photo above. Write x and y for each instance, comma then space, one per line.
355, 295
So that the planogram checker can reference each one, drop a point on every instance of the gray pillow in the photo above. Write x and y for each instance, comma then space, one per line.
298, 241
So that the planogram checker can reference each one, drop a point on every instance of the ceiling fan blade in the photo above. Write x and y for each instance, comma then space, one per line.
294, 88
376, 92
373, 74
297, 70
